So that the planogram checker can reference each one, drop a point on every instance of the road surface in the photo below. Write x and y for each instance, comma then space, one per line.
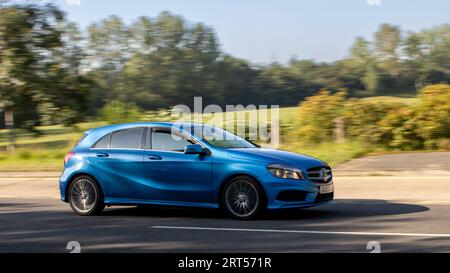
378, 199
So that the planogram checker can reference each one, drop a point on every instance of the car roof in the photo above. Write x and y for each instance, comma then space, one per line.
116, 127
94, 134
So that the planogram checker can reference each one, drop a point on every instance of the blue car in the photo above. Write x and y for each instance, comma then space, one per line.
181, 165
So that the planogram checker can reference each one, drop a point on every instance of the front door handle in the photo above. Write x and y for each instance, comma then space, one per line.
102, 154
155, 157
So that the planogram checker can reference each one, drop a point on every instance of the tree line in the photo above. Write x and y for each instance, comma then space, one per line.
52, 72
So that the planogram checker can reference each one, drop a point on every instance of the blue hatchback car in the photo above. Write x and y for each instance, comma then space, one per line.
164, 164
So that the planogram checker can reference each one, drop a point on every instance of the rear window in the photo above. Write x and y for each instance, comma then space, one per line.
103, 143
127, 139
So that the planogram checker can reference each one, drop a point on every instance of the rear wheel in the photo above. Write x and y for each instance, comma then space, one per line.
85, 196
243, 198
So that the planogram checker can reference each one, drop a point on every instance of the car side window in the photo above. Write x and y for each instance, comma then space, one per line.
127, 139
163, 140
103, 143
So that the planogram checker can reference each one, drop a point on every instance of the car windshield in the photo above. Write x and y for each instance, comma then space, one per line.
221, 138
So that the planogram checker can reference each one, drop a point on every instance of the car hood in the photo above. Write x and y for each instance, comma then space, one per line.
276, 156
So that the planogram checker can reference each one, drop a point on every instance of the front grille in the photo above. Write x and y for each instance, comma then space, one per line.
321, 174
324, 197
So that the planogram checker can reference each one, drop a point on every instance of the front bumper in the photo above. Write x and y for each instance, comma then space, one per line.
283, 193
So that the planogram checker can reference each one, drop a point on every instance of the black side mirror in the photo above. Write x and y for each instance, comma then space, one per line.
193, 149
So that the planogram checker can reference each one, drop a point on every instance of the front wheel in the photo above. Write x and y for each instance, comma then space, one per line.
243, 198
85, 196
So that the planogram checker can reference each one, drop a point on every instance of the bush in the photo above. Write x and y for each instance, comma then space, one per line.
433, 114
443, 144
362, 119
120, 112
382, 124
399, 130
316, 117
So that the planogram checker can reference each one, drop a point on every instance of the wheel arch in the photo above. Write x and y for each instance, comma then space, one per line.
75, 176
234, 175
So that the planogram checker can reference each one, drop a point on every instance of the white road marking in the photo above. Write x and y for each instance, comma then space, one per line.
307, 231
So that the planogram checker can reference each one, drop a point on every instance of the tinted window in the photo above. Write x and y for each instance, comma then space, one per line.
103, 143
163, 140
127, 139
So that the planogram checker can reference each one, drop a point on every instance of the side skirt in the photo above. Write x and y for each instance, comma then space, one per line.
124, 201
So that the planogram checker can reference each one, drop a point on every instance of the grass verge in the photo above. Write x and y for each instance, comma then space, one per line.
332, 153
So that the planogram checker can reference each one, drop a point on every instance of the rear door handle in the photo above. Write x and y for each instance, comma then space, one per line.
102, 154
155, 157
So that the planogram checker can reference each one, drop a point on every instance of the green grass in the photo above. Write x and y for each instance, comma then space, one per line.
52, 137
32, 165
332, 153
41, 159
42, 152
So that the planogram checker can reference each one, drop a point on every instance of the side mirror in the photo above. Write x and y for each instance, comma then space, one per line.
194, 149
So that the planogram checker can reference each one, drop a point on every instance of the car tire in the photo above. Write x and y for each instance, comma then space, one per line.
85, 196
243, 198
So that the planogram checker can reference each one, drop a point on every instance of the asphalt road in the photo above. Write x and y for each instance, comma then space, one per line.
347, 226
401, 209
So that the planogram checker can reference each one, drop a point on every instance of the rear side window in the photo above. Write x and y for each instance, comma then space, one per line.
127, 139
103, 143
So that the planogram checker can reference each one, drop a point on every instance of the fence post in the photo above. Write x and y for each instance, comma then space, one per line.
339, 130
9, 125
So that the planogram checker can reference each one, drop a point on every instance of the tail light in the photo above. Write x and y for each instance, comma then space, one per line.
68, 156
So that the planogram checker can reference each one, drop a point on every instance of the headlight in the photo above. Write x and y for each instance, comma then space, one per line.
286, 172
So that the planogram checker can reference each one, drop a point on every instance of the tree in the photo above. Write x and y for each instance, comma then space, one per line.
436, 57
52, 72
235, 82
387, 45
360, 52
177, 62
27, 34
40, 66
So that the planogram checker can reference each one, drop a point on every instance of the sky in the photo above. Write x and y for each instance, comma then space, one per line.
264, 31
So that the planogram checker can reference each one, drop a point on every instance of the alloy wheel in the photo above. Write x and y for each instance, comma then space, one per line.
242, 198
83, 195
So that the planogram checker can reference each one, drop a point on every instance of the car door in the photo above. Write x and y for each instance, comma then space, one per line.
118, 164
173, 175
